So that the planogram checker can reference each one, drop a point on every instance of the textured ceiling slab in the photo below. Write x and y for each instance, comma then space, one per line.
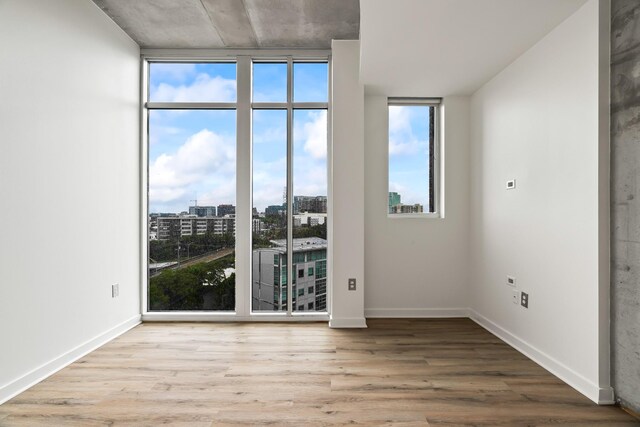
235, 23
164, 23
230, 18
303, 23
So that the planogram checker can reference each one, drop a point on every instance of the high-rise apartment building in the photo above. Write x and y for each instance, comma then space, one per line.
275, 210
313, 204
394, 200
309, 285
202, 210
226, 210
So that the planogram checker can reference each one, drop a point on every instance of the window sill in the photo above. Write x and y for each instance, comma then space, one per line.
416, 216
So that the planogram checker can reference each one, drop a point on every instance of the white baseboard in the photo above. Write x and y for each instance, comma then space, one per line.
12, 389
415, 312
355, 322
600, 395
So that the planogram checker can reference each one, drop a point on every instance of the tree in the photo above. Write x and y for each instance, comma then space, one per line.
202, 286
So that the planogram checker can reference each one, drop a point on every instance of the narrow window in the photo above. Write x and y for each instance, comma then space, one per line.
413, 158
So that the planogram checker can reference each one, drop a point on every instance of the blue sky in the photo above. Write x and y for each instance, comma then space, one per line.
192, 153
409, 153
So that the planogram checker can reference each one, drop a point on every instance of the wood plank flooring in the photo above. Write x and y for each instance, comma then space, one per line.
436, 372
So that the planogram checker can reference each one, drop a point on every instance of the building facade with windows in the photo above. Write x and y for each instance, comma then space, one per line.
224, 210
309, 285
202, 210
171, 228
394, 200
315, 204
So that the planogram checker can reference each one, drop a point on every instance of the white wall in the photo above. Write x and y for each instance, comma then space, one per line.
417, 267
346, 201
69, 185
539, 122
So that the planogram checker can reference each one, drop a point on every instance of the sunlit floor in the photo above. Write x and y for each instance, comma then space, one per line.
396, 372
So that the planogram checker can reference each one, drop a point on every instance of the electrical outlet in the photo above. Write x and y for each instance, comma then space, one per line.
352, 284
115, 290
511, 281
511, 184
515, 297
524, 299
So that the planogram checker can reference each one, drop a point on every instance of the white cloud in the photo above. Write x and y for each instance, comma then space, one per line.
399, 119
158, 132
204, 156
269, 181
402, 141
223, 191
204, 88
315, 135
406, 147
276, 134
310, 180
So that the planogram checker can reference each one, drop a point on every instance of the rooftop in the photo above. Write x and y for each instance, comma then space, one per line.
301, 245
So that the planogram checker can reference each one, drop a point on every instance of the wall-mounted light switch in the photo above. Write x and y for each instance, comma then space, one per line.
115, 290
511, 281
352, 284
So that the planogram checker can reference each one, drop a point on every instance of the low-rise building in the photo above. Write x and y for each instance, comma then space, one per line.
309, 219
172, 228
406, 209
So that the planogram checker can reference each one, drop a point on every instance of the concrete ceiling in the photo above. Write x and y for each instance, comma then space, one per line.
449, 47
235, 23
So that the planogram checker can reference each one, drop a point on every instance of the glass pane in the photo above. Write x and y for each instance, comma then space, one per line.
269, 82
192, 82
310, 209
192, 196
310, 82
269, 255
411, 178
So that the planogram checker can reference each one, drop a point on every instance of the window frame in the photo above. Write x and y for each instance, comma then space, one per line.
435, 159
243, 106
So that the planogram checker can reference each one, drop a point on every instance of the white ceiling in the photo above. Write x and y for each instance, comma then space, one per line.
449, 47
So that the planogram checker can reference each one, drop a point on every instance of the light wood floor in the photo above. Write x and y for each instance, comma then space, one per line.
398, 372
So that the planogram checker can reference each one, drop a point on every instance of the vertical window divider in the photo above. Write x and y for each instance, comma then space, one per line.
243, 186
289, 186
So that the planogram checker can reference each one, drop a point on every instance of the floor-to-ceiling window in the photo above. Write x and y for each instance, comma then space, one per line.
200, 117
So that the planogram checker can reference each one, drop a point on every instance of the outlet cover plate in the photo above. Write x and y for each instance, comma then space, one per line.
115, 290
511, 281
524, 299
511, 184
352, 284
